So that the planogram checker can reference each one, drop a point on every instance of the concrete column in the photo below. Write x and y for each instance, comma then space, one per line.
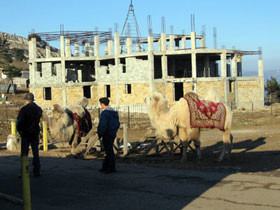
171, 43
163, 42
62, 47
261, 74
63, 81
33, 66
129, 45
87, 45
96, 46
68, 47
202, 43
33, 48
194, 75
117, 64
63, 71
83, 53
80, 75
164, 66
184, 43
223, 64
64, 98
48, 52
30, 52
159, 45
138, 48
226, 88
152, 70
234, 66
110, 47
260, 68
77, 49
193, 40
150, 43
117, 43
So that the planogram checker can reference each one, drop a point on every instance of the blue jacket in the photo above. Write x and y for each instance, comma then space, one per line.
109, 123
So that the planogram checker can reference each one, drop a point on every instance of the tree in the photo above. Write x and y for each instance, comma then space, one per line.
4, 47
272, 86
4, 50
273, 89
12, 71
19, 54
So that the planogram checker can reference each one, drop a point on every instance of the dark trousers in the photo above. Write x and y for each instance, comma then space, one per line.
34, 142
109, 161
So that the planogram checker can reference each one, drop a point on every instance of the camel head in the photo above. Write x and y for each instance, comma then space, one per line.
53, 114
157, 102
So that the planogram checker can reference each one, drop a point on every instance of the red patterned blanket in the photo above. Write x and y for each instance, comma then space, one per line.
206, 114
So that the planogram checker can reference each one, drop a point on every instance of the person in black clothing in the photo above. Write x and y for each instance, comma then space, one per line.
28, 127
107, 130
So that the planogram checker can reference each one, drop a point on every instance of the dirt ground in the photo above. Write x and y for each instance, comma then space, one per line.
255, 157
256, 137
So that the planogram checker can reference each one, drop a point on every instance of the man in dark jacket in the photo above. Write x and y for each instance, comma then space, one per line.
28, 127
107, 130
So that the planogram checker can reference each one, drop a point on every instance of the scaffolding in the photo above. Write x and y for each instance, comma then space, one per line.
80, 37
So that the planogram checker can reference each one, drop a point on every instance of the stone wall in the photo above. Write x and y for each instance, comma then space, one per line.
203, 86
137, 96
135, 68
250, 93
56, 97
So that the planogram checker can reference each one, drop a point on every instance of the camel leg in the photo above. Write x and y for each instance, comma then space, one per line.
185, 145
197, 148
183, 135
74, 144
227, 145
194, 134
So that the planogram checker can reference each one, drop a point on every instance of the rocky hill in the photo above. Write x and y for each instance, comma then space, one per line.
19, 42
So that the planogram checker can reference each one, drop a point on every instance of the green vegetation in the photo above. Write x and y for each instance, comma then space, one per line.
272, 88
11, 60
18, 53
12, 71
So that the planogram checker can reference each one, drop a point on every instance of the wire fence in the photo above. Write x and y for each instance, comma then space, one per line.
131, 114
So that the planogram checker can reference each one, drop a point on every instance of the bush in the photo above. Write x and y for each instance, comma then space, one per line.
19, 54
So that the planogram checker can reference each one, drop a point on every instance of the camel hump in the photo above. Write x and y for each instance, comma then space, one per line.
192, 95
77, 109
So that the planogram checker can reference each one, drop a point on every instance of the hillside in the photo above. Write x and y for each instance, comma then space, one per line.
17, 44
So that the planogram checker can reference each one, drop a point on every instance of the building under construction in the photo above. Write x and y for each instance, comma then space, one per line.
126, 69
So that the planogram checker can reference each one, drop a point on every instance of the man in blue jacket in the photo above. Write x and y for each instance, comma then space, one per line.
107, 130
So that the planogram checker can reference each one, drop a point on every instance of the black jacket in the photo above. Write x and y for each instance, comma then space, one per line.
28, 120
109, 123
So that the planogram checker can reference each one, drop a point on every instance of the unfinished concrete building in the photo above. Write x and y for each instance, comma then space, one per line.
170, 64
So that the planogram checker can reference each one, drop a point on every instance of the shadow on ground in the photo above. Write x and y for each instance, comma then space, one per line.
152, 182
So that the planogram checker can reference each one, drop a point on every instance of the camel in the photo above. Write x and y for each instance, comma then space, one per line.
63, 124
175, 121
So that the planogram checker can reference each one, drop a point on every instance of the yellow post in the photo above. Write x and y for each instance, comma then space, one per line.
13, 127
25, 183
45, 136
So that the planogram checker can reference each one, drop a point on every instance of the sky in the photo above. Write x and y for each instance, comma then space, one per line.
243, 24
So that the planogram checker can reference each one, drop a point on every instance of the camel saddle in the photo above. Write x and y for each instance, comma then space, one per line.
205, 114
